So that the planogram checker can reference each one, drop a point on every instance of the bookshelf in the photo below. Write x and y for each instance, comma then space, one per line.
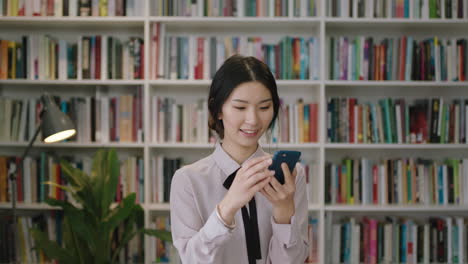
321, 26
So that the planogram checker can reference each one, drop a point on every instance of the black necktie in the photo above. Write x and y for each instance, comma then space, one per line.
252, 236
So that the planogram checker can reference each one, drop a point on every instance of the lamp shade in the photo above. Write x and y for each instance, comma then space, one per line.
56, 125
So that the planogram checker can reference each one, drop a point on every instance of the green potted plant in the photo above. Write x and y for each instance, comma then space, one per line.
90, 224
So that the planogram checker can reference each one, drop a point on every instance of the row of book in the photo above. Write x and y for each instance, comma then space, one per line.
297, 122
404, 58
163, 169
105, 57
175, 122
132, 179
117, 118
101, 118
91, 57
392, 240
106, 118
71, 8
24, 251
198, 57
31, 175
396, 181
33, 172
237, 8
412, 9
13, 64
395, 120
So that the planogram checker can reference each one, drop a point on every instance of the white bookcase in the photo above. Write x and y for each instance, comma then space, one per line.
186, 90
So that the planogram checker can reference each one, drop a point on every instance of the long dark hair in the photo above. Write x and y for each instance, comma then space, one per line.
237, 70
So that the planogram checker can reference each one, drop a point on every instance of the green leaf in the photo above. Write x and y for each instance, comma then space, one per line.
74, 176
73, 244
65, 188
81, 223
100, 176
63, 204
119, 214
80, 182
159, 233
51, 249
111, 178
88, 201
69, 189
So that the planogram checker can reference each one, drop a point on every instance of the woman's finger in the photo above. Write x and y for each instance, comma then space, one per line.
271, 192
288, 178
258, 167
280, 189
250, 163
260, 185
255, 178
268, 196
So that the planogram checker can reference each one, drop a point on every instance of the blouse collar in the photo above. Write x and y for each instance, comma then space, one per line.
229, 165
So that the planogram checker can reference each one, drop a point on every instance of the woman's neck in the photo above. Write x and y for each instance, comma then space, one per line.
238, 153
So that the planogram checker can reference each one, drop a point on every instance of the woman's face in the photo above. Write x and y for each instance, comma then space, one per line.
246, 114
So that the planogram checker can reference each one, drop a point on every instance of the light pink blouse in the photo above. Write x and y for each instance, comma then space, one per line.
201, 237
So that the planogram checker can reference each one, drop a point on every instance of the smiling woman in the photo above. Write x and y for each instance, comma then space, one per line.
233, 185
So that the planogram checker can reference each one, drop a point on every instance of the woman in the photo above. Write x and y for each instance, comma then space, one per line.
228, 207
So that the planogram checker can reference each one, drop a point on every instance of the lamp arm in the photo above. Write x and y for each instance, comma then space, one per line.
13, 168
12, 178
31, 142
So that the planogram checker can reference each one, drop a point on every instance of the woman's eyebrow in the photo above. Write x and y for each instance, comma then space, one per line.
245, 101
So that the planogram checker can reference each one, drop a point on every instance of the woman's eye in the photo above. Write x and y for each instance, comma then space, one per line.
239, 107
264, 107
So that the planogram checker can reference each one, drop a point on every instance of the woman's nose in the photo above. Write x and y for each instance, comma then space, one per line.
252, 117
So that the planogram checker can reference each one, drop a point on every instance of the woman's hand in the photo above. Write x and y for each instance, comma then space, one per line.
282, 196
251, 178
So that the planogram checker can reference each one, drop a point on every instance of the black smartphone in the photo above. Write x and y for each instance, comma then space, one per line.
290, 157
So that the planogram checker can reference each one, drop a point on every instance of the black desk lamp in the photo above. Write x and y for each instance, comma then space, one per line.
56, 126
